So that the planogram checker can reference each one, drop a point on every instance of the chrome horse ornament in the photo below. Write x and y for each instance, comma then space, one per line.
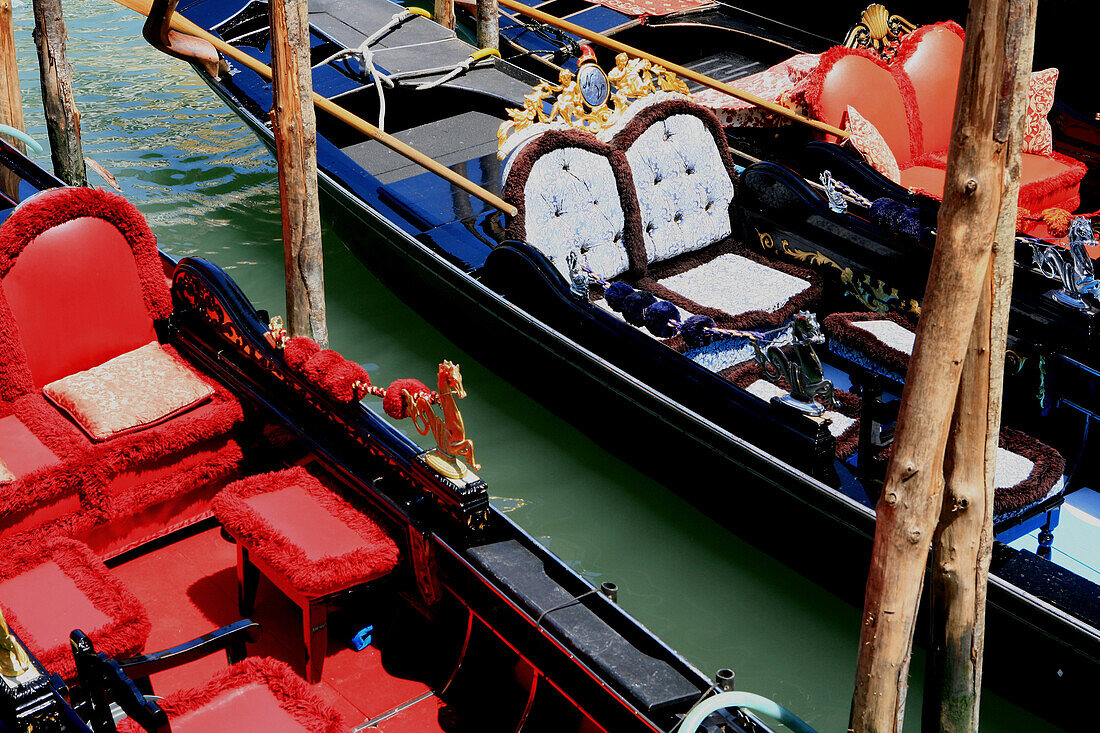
798, 365
449, 431
1077, 276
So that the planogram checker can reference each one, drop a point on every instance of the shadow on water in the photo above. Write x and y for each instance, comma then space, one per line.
208, 188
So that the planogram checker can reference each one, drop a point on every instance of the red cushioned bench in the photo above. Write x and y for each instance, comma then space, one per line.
47, 590
307, 540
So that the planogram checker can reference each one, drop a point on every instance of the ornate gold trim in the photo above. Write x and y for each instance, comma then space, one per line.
879, 31
871, 292
631, 79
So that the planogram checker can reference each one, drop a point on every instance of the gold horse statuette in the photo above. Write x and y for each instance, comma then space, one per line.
449, 431
13, 658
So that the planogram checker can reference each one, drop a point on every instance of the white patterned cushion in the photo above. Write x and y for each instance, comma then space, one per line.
684, 190
570, 200
735, 284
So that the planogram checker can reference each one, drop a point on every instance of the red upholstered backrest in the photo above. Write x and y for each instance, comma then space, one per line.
81, 283
882, 94
931, 57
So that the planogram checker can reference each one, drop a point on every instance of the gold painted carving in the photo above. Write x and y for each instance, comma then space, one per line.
878, 31
631, 79
13, 657
870, 292
449, 431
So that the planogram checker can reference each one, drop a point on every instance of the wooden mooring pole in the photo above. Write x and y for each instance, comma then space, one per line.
444, 13
11, 101
294, 124
488, 24
62, 117
963, 542
912, 495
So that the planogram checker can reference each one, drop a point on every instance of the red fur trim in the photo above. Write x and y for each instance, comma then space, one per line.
321, 363
743, 375
815, 81
1048, 468
841, 327
298, 351
57, 206
15, 375
377, 557
1032, 194
128, 626
291, 691
394, 401
554, 140
346, 382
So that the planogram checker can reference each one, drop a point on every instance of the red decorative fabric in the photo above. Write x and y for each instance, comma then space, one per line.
869, 142
777, 84
52, 305
883, 92
310, 543
327, 370
394, 401
642, 8
1038, 137
931, 57
298, 351
130, 392
258, 694
49, 590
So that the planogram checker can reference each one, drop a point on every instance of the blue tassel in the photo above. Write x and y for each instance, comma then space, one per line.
634, 307
657, 317
615, 295
694, 331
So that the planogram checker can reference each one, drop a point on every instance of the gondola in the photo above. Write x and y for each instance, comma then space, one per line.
598, 312
177, 473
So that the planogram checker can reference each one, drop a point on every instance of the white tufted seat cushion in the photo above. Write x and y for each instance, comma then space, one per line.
684, 190
570, 199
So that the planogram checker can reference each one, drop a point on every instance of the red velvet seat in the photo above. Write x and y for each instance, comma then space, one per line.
81, 282
48, 590
307, 540
258, 694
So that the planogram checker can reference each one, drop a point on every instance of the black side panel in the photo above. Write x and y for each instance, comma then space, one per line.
655, 684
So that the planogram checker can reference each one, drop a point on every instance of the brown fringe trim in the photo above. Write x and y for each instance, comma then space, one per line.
749, 320
840, 326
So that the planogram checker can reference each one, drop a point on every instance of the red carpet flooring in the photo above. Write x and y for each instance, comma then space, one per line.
190, 588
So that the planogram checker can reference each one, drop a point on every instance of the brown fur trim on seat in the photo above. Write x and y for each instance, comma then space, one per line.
842, 328
749, 320
1048, 468
555, 140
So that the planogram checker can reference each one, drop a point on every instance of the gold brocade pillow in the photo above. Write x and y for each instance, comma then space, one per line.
131, 392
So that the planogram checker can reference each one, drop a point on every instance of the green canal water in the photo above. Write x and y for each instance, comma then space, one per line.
209, 189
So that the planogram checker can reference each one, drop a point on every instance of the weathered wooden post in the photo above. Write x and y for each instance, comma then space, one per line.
444, 13
912, 494
488, 24
963, 543
294, 124
11, 104
62, 117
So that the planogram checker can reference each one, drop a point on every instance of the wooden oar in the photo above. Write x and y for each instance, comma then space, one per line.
683, 71
183, 25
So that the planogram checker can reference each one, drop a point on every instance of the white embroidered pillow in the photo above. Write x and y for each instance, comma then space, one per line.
1038, 138
133, 391
872, 145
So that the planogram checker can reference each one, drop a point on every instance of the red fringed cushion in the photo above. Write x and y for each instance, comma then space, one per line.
48, 590
1038, 137
870, 143
258, 694
306, 532
131, 392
